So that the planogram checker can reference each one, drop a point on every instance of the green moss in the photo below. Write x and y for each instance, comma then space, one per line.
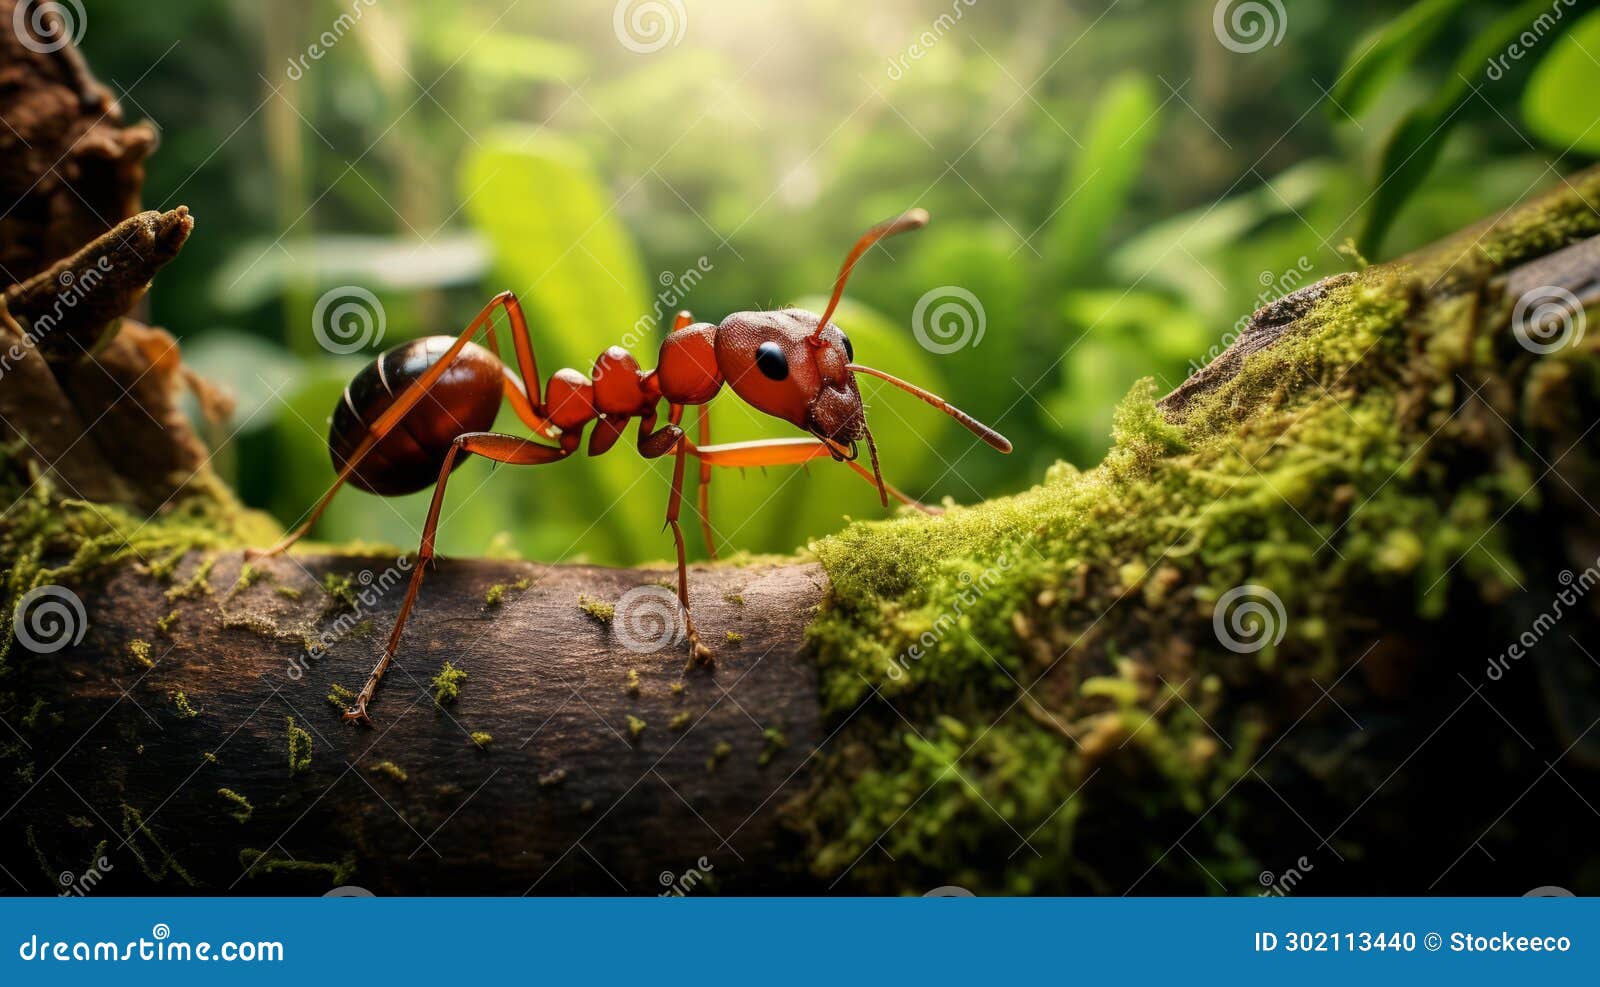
249, 575
602, 612
447, 684
631, 683
242, 809
139, 651
735, 638
636, 726
165, 624
340, 697
259, 863
154, 859
299, 746
181, 703
1343, 465
719, 754
390, 770
680, 720
30, 719
497, 593
198, 584
737, 599
481, 738
774, 741
341, 594
677, 688
287, 592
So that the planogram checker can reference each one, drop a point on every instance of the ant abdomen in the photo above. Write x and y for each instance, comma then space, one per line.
408, 458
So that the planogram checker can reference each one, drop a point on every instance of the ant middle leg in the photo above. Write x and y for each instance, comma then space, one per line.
655, 442
490, 445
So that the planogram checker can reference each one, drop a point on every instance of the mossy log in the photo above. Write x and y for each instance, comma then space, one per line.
1050, 692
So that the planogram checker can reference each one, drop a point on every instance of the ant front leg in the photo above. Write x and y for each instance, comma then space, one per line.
793, 452
659, 442
703, 490
490, 445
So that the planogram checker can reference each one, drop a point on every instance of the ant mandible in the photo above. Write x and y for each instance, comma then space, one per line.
790, 364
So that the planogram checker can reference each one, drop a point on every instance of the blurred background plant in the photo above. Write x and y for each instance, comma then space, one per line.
1113, 185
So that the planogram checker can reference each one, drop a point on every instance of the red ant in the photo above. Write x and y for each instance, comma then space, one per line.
790, 364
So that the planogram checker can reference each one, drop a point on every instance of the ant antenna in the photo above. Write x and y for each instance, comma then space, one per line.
877, 474
911, 219
995, 439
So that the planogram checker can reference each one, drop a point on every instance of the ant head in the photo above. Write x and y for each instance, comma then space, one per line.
778, 363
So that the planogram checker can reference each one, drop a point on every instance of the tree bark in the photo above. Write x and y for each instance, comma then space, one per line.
609, 771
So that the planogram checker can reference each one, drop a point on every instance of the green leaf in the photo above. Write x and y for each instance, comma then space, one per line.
557, 241
1414, 147
1386, 52
1096, 189
1558, 104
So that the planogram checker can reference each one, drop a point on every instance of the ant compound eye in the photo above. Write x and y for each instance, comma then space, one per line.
849, 350
771, 361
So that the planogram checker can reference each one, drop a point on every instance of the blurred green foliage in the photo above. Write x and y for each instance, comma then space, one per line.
1114, 185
